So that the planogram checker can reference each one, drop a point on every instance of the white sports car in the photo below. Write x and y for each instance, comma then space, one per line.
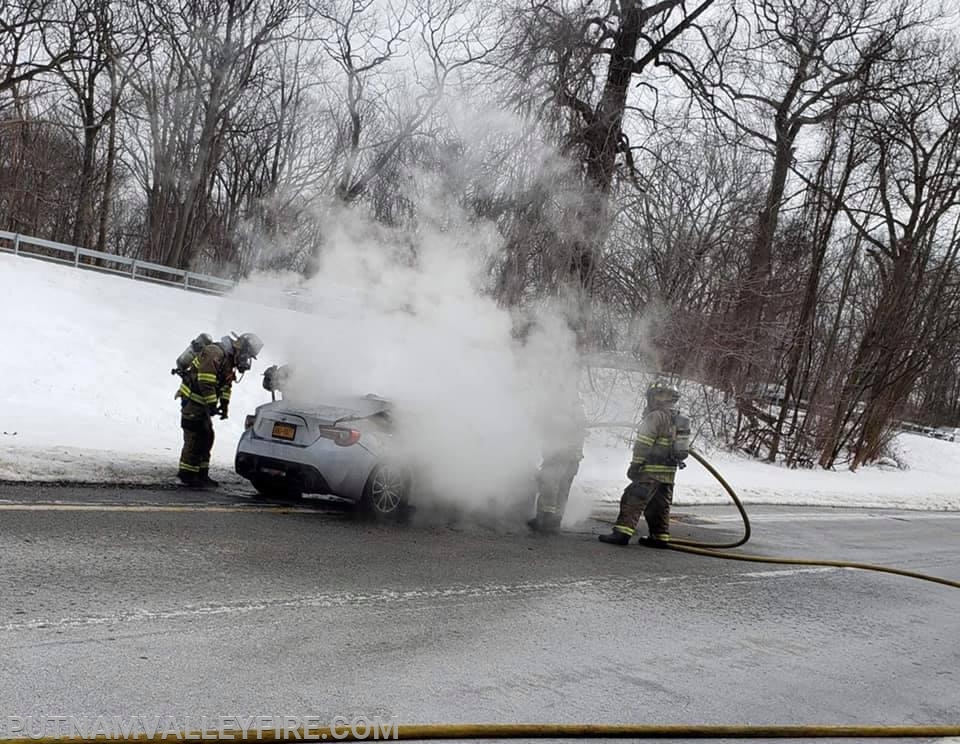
339, 449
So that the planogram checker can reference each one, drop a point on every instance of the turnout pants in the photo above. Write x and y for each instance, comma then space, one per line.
553, 481
197, 442
650, 499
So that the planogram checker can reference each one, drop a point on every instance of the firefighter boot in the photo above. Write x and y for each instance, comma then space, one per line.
205, 481
655, 541
616, 537
538, 523
551, 523
189, 479
545, 523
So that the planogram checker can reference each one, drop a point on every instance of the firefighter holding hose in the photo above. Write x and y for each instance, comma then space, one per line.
661, 446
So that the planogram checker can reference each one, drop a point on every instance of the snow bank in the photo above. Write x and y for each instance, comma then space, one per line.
931, 482
88, 393
931, 479
88, 397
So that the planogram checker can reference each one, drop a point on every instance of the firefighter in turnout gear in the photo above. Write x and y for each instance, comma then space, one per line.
205, 390
566, 431
662, 443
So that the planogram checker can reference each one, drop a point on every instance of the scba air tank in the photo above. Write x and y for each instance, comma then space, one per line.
196, 346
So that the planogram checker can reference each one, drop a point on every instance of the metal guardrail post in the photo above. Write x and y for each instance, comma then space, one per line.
76, 256
186, 280
16, 244
133, 270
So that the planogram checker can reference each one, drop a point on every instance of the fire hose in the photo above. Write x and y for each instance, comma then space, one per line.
493, 731
714, 550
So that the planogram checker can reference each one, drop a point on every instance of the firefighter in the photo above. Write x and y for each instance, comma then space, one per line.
562, 453
205, 392
662, 442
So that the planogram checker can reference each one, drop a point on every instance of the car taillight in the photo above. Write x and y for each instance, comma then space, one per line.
341, 437
346, 437
248, 421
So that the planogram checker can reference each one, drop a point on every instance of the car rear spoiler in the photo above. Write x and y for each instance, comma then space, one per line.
385, 408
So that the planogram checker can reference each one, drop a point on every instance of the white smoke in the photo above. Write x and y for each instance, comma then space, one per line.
405, 316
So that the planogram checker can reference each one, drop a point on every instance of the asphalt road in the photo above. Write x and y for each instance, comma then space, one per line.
135, 603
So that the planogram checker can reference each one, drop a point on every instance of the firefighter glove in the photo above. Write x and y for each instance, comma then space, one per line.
224, 405
634, 471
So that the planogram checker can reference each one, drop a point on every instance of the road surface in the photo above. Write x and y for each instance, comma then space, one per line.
135, 603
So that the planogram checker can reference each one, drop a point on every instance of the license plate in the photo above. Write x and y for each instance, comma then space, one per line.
284, 431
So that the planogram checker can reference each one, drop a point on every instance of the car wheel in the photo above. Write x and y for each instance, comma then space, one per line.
276, 488
387, 493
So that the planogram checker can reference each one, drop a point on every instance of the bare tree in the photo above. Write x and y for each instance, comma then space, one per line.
386, 106
361, 37
582, 63
279, 162
202, 59
36, 158
784, 66
822, 207
907, 215
96, 80
674, 248
38, 166
36, 36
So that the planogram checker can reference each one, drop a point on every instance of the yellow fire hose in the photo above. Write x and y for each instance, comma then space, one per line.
712, 550
736, 500
451, 731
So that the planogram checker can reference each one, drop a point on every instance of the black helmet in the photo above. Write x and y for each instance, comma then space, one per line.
246, 346
662, 395
275, 377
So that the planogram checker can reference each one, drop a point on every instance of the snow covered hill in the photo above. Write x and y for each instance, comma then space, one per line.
88, 393
87, 396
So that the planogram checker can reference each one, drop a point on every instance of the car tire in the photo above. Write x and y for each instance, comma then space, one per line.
386, 495
276, 488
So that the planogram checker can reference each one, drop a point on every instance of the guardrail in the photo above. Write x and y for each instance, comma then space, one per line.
108, 263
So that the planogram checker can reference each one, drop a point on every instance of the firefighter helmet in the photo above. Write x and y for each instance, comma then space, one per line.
662, 395
246, 347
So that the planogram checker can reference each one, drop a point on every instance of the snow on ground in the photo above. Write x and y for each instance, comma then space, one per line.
932, 482
88, 397
88, 394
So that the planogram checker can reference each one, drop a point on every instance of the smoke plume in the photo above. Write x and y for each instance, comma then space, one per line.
405, 315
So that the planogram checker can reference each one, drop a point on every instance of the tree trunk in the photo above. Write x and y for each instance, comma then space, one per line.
885, 336
750, 304
106, 203
602, 137
83, 219
823, 231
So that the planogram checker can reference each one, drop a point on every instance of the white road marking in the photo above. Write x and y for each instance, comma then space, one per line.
323, 600
386, 597
158, 508
802, 516
776, 573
